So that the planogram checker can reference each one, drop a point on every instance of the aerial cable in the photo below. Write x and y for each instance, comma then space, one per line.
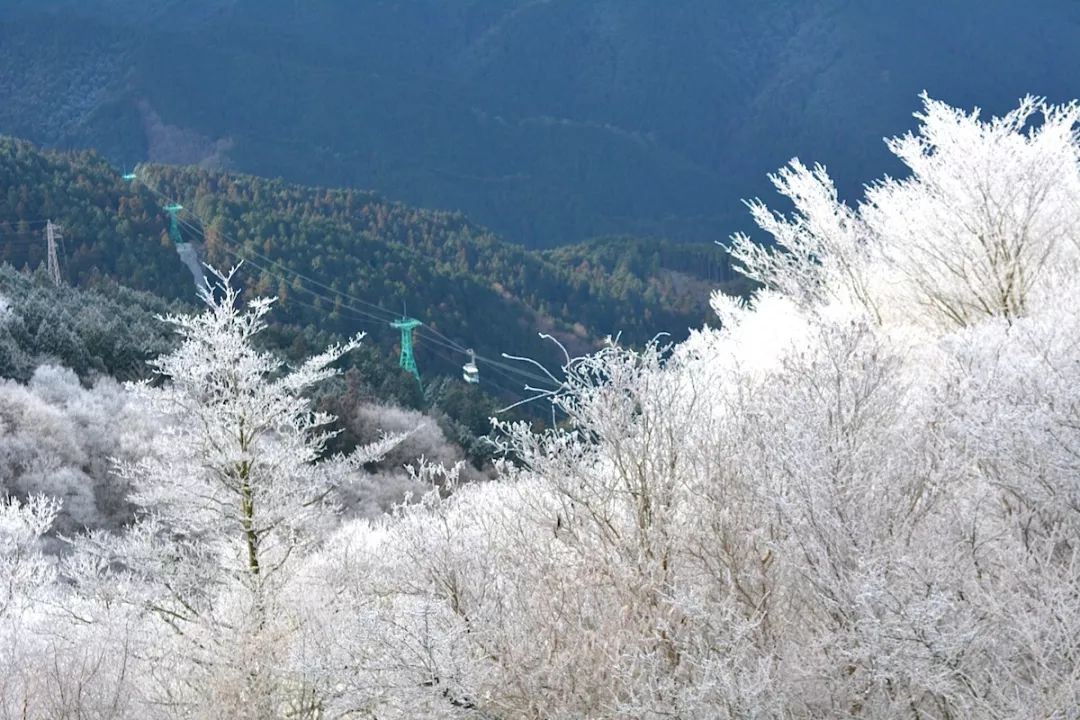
494, 383
422, 333
515, 370
338, 306
15, 241
26, 222
434, 340
313, 306
425, 333
473, 357
489, 361
322, 285
446, 342
453, 344
494, 363
389, 315
336, 302
510, 368
503, 374
489, 381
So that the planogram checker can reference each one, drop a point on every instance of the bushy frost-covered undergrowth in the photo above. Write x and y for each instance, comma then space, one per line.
860, 497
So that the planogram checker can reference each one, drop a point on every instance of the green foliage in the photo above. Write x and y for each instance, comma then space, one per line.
642, 274
458, 278
464, 413
110, 229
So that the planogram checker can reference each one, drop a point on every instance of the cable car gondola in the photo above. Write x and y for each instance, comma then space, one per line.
469, 372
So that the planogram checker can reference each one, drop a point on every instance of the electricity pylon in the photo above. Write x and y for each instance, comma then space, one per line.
408, 362
52, 235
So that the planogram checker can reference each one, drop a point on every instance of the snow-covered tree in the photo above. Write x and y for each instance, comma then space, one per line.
23, 568
232, 496
985, 224
60, 439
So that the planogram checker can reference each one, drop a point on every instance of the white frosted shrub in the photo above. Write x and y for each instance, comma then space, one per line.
61, 439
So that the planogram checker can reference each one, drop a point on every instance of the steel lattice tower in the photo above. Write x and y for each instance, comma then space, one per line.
174, 227
52, 234
187, 251
408, 362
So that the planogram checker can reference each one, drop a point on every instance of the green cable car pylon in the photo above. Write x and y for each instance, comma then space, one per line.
187, 252
174, 227
408, 362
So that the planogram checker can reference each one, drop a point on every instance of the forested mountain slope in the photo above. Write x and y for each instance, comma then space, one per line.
547, 121
325, 252
857, 497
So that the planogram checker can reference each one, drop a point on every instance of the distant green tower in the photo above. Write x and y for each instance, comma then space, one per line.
174, 227
406, 325
187, 252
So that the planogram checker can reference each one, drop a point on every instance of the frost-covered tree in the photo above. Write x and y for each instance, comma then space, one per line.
422, 440
985, 224
103, 330
61, 438
23, 568
232, 496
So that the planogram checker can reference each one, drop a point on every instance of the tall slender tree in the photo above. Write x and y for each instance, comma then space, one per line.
233, 495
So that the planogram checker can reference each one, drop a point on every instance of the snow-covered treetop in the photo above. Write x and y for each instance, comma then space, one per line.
987, 223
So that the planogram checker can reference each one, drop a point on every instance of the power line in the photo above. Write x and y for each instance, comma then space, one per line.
390, 315
368, 317
15, 223
225, 245
23, 242
363, 316
422, 332
493, 363
425, 332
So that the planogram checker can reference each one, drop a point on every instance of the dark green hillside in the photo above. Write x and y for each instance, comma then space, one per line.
642, 273
110, 230
549, 122
458, 278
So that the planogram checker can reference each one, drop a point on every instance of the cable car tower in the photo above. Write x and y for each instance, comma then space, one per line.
188, 255
174, 227
408, 362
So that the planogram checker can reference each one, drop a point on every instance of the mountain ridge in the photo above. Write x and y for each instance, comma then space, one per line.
469, 286
549, 122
